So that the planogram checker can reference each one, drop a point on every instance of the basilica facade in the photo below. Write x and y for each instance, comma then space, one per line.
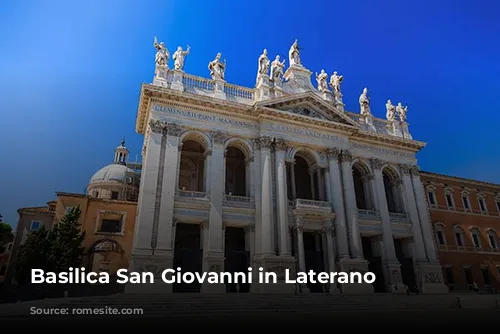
277, 176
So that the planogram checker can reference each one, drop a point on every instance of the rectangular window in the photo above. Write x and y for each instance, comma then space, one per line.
449, 200
449, 275
465, 201
114, 195
498, 206
458, 236
468, 276
482, 204
35, 225
432, 199
476, 240
486, 275
493, 241
111, 226
440, 237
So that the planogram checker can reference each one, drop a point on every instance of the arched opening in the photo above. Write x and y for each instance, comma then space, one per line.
361, 177
106, 255
493, 239
236, 172
392, 191
192, 166
459, 235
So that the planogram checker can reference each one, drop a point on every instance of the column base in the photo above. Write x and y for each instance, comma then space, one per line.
355, 265
430, 278
213, 262
393, 278
155, 264
278, 265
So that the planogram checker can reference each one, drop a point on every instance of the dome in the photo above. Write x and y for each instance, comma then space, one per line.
114, 172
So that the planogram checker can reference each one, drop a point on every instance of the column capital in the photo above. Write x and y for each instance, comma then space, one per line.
249, 159
174, 129
208, 152
250, 228
290, 161
345, 156
368, 177
415, 170
312, 169
405, 169
332, 153
158, 127
174, 223
376, 163
218, 137
327, 229
280, 144
266, 142
204, 224
256, 143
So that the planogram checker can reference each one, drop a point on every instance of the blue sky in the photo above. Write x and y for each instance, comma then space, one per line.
70, 75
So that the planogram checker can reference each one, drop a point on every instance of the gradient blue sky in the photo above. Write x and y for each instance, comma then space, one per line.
70, 75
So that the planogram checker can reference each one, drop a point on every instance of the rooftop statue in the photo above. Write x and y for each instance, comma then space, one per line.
364, 103
277, 69
217, 68
401, 111
294, 54
179, 56
335, 81
263, 63
391, 111
321, 79
162, 54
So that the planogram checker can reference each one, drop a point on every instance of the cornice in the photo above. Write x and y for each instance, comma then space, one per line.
152, 93
468, 183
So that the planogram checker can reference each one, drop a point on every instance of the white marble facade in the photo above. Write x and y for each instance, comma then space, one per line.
286, 164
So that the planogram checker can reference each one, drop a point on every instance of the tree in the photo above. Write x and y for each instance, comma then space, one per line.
6, 235
66, 249
34, 253
54, 250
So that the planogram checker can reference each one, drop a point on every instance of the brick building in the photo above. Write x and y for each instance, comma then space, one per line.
465, 215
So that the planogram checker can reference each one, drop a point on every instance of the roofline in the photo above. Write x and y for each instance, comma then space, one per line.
58, 193
451, 178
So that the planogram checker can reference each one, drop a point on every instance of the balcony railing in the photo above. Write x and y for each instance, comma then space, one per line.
368, 214
395, 216
310, 203
469, 249
240, 199
191, 193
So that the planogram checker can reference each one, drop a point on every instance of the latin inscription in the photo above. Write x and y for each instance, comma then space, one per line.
203, 117
381, 150
306, 132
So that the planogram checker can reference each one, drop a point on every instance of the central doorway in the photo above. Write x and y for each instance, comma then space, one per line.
237, 258
314, 258
374, 264
188, 255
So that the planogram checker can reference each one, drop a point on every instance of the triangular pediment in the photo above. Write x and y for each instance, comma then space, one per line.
308, 104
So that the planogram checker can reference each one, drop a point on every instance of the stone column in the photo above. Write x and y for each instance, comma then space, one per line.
321, 183
213, 256
147, 251
392, 267
250, 231
292, 177
419, 253
311, 177
282, 198
257, 189
266, 196
330, 254
350, 207
336, 197
170, 174
423, 213
430, 273
300, 250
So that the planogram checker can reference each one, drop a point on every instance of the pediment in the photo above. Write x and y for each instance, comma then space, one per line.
310, 105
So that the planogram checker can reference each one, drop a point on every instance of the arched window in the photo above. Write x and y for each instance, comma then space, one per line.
392, 187
362, 188
492, 238
440, 236
476, 237
450, 201
481, 198
459, 235
431, 196
466, 200
192, 166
